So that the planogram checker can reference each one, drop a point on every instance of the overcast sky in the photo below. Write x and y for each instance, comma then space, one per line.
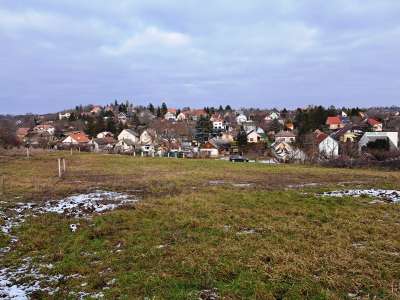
286, 53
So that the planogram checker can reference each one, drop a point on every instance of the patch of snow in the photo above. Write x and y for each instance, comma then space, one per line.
19, 282
388, 195
216, 182
211, 294
73, 227
295, 186
246, 231
268, 161
241, 185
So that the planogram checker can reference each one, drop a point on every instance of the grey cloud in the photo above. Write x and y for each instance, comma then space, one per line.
56, 54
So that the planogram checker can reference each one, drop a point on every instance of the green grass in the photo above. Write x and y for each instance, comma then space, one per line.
187, 235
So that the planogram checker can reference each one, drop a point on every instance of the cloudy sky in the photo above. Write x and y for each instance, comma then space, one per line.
261, 53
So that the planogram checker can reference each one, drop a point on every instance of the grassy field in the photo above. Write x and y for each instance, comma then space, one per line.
241, 231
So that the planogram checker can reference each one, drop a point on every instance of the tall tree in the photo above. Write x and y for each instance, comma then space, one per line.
241, 137
164, 108
151, 108
204, 129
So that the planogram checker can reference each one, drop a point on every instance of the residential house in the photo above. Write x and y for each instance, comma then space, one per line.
334, 122
195, 114
391, 137
76, 138
349, 133
62, 116
129, 134
218, 122
272, 116
148, 136
102, 144
328, 147
285, 152
209, 150
249, 125
240, 119
170, 116
285, 136
125, 145
105, 134
254, 136
181, 116
375, 124
50, 129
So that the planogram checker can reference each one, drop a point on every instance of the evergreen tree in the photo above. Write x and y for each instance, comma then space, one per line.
241, 137
111, 126
158, 112
151, 108
164, 108
275, 126
90, 127
100, 126
228, 108
220, 109
204, 129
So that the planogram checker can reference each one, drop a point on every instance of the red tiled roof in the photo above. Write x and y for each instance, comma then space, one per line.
333, 121
79, 137
373, 122
320, 136
197, 112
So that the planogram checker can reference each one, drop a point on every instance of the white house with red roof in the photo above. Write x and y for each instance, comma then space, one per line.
76, 138
375, 124
334, 123
50, 129
327, 146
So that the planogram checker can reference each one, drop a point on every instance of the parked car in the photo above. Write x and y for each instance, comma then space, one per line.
238, 158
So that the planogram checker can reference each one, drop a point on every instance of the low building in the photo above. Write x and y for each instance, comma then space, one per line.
148, 136
375, 124
105, 134
170, 116
391, 137
50, 129
129, 134
240, 119
76, 138
62, 116
328, 147
334, 122
209, 150
102, 144
285, 136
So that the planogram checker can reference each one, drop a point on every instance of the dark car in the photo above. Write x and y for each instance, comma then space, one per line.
238, 158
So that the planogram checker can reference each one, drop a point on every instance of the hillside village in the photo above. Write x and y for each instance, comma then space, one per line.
311, 134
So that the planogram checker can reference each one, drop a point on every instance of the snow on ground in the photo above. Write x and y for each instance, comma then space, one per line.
20, 281
388, 195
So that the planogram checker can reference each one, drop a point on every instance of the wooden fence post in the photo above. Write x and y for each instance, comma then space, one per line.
27, 152
59, 168
64, 166
3, 184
